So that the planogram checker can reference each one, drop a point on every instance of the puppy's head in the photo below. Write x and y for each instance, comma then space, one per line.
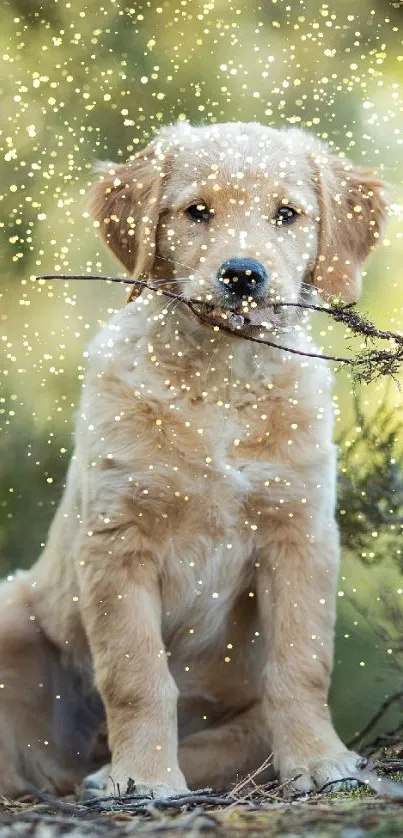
241, 214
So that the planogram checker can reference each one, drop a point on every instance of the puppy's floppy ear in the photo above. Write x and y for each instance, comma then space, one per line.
352, 212
126, 206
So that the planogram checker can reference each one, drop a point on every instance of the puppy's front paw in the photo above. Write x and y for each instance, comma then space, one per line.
153, 789
94, 785
106, 782
333, 773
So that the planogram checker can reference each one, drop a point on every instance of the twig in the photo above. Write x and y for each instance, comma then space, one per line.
340, 782
72, 809
345, 314
384, 362
141, 805
127, 798
249, 777
398, 696
133, 803
192, 305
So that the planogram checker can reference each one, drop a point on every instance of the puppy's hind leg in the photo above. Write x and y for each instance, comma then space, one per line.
35, 743
227, 752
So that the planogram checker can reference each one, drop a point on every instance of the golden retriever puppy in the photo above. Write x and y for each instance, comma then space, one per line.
187, 588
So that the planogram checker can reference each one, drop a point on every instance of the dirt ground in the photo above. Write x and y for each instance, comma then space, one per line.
361, 815
250, 810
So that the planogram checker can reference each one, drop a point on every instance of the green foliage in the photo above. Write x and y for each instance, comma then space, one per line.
31, 480
370, 491
370, 506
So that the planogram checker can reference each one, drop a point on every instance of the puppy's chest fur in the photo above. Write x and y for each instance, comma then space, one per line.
209, 555
200, 466
210, 474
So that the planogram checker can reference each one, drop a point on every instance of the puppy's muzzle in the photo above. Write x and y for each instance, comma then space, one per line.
239, 278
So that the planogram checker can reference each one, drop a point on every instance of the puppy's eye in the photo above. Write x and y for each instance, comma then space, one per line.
285, 215
199, 212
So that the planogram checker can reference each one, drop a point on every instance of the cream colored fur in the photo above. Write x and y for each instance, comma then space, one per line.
190, 569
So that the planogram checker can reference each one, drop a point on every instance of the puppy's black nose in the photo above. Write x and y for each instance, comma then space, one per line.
242, 277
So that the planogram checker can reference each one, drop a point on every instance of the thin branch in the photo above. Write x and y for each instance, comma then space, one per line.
346, 314
249, 777
192, 305
348, 782
60, 806
368, 364
135, 804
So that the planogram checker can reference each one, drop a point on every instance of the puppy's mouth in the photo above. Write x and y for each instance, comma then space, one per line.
247, 318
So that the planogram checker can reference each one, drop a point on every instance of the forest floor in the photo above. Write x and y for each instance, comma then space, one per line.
249, 811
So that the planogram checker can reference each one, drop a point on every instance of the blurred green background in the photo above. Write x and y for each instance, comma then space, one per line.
82, 81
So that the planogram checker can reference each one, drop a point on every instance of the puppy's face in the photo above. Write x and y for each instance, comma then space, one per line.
241, 215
